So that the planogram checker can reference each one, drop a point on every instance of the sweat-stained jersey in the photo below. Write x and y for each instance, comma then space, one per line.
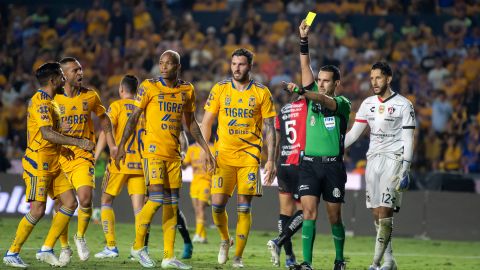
240, 118
75, 115
193, 157
119, 111
41, 156
291, 125
386, 119
163, 108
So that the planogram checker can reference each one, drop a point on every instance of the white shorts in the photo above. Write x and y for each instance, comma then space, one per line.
380, 187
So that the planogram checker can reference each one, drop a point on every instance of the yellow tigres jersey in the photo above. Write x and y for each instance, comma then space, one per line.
41, 156
240, 120
163, 107
192, 157
119, 111
76, 121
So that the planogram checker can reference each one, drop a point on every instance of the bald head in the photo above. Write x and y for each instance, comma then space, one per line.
169, 65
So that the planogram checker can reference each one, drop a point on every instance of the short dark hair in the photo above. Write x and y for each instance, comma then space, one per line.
244, 52
67, 59
47, 71
333, 69
130, 82
384, 68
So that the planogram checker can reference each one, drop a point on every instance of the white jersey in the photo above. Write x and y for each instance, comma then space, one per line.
386, 119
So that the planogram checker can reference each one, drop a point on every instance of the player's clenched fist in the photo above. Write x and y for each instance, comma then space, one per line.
86, 144
304, 28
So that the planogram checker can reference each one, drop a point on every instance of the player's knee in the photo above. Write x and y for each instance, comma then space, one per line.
243, 208
71, 204
37, 210
85, 202
309, 212
107, 198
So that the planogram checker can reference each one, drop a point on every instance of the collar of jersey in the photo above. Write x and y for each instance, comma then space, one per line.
65, 93
165, 84
248, 86
43, 92
387, 99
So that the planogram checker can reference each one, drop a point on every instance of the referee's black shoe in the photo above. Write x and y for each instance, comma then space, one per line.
302, 266
339, 265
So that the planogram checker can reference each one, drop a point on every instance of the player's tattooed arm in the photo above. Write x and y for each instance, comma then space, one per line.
54, 137
127, 132
107, 129
271, 139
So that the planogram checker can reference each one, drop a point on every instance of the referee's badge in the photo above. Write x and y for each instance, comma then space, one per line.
312, 121
329, 122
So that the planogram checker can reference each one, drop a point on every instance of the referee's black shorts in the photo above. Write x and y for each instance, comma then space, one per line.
323, 177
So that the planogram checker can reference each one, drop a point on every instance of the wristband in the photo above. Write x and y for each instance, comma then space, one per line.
299, 91
303, 45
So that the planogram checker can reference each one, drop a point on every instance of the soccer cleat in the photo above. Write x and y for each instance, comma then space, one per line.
48, 256
82, 249
302, 266
107, 253
389, 265
275, 251
65, 256
173, 263
142, 257
339, 265
223, 252
374, 267
289, 261
237, 262
14, 260
198, 239
187, 251
131, 258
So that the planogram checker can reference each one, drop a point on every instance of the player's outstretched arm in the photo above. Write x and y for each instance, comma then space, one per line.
307, 73
107, 129
127, 132
271, 139
101, 144
196, 132
54, 137
355, 132
326, 101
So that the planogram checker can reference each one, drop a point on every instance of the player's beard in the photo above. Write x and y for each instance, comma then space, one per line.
382, 90
241, 77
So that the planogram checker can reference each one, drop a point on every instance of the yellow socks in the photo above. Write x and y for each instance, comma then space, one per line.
108, 224
84, 215
200, 227
169, 225
59, 222
220, 218
243, 227
144, 218
24, 229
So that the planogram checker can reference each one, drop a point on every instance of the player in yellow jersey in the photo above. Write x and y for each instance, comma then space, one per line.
199, 189
76, 107
241, 105
42, 173
130, 174
167, 102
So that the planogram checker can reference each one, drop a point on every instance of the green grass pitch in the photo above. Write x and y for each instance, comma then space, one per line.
410, 253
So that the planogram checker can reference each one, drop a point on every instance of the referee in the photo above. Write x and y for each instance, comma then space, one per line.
322, 172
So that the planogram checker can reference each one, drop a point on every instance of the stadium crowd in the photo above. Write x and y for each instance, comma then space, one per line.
436, 69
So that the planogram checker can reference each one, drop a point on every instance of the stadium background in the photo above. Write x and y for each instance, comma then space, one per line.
433, 47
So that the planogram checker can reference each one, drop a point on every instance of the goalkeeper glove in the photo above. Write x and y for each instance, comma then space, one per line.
403, 179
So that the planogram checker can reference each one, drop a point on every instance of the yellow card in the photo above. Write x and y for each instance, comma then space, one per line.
310, 17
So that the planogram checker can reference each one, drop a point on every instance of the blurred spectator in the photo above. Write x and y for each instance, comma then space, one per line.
119, 25
438, 74
441, 112
452, 159
4, 162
